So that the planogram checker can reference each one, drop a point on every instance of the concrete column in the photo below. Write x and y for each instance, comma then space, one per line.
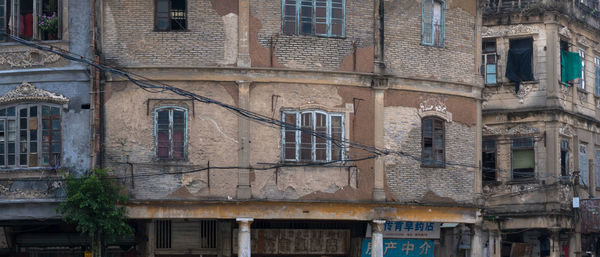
377, 238
552, 52
552, 154
378, 169
555, 248
244, 236
477, 241
243, 59
243, 189
151, 239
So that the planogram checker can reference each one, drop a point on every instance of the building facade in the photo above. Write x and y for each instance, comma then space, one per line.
540, 115
44, 121
361, 114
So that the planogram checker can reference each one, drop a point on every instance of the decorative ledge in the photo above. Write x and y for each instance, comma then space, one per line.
29, 93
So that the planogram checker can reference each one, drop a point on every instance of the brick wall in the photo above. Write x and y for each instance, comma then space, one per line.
407, 180
312, 52
129, 37
405, 56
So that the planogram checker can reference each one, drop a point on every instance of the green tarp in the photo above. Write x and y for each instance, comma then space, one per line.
570, 66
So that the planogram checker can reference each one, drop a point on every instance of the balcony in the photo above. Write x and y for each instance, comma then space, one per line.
502, 6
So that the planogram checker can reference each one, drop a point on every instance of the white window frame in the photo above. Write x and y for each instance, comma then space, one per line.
581, 84
298, 135
597, 75
583, 163
171, 147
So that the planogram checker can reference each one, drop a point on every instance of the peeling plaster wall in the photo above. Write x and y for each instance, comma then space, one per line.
212, 137
405, 177
311, 52
308, 182
129, 37
405, 55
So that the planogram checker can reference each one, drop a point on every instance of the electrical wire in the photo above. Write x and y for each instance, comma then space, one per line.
158, 87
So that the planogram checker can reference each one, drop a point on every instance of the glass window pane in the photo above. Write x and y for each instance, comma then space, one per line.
33, 111
10, 111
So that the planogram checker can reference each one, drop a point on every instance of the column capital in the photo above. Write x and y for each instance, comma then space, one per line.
377, 226
244, 220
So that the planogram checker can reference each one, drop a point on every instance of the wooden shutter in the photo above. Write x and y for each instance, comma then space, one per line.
427, 22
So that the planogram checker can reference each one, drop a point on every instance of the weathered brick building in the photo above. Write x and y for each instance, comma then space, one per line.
540, 116
382, 105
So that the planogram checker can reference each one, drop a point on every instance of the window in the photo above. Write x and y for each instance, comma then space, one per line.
519, 64
311, 144
581, 84
163, 234
171, 132
170, 15
523, 158
597, 169
489, 159
432, 28
31, 19
433, 131
313, 17
489, 60
30, 136
583, 164
564, 158
597, 75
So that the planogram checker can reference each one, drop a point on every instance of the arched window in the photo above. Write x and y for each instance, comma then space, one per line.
433, 142
170, 128
30, 135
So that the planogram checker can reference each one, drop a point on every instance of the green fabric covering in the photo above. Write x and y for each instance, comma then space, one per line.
570, 66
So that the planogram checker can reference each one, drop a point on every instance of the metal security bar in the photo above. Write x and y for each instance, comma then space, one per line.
208, 234
163, 234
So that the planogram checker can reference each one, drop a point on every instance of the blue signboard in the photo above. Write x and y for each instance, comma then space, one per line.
400, 248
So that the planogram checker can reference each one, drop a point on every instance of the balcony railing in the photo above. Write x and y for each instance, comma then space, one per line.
508, 5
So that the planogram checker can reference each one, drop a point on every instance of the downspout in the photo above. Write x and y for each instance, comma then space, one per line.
93, 96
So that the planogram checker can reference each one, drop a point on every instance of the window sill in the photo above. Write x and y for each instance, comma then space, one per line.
582, 90
312, 35
523, 181
436, 46
176, 31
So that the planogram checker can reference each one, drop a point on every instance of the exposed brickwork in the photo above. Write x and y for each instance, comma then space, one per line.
407, 180
312, 52
129, 37
406, 56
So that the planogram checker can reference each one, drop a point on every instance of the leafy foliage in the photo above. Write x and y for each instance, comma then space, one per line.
92, 203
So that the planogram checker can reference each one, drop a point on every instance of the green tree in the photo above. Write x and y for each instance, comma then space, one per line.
95, 204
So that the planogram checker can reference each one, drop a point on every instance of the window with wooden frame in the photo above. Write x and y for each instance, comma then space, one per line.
314, 17
312, 136
433, 22
30, 136
489, 61
170, 15
433, 142
31, 19
583, 164
523, 158
489, 159
170, 128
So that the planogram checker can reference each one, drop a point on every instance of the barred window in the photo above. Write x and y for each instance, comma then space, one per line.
30, 136
320, 137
